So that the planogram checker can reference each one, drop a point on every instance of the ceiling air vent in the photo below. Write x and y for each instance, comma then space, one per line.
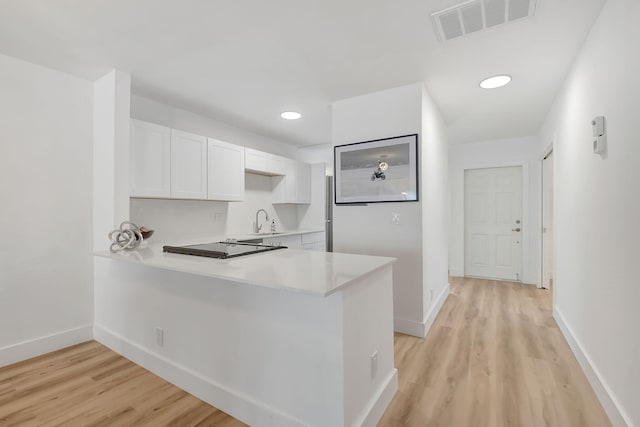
477, 15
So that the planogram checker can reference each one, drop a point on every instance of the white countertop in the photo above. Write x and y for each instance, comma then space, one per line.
318, 273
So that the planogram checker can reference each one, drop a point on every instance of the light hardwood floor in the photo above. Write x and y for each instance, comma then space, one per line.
89, 385
493, 357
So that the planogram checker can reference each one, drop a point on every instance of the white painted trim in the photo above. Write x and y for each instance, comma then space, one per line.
435, 309
456, 272
607, 399
237, 404
408, 327
497, 279
540, 282
38, 346
420, 329
373, 413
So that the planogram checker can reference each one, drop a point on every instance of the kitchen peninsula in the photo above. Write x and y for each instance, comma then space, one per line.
279, 338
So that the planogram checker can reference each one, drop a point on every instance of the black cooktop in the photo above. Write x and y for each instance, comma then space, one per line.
221, 250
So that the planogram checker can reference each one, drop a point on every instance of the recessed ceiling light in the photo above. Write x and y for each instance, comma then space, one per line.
291, 115
495, 82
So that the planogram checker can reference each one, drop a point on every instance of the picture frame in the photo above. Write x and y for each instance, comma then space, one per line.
377, 171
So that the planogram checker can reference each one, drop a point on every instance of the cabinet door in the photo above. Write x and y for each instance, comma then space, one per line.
317, 246
263, 163
188, 165
295, 186
303, 187
150, 160
275, 164
312, 238
292, 242
255, 161
226, 171
291, 178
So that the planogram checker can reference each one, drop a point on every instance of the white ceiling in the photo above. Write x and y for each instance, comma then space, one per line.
245, 61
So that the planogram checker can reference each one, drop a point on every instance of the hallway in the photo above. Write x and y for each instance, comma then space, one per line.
493, 357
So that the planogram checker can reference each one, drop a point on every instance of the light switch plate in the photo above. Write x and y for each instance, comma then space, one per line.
374, 364
160, 337
395, 218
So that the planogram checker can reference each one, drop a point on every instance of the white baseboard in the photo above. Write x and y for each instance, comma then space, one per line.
612, 407
435, 309
381, 401
454, 272
420, 329
236, 404
38, 346
408, 327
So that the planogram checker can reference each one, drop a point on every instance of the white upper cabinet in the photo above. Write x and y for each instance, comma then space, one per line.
287, 194
263, 163
150, 160
295, 186
275, 164
255, 161
226, 171
188, 165
303, 183
169, 163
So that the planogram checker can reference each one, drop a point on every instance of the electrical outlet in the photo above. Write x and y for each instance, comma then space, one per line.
431, 293
160, 337
374, 364
395, 218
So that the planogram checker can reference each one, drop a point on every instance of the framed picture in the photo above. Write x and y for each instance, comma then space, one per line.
383, 170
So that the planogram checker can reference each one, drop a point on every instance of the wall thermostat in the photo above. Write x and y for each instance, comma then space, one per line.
599, 135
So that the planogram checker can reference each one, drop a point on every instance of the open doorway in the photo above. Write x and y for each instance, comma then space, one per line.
548, 256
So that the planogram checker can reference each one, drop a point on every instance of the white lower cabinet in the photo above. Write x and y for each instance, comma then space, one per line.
188, 165
292, 242
226, 171
317, 246
307, 241
314, 241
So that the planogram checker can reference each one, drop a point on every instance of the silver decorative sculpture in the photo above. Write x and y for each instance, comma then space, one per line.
128, 236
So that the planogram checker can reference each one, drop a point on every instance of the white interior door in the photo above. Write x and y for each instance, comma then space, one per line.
493, 223
547, 221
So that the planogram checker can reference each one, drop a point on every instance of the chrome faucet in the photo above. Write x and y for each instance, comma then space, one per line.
256, 226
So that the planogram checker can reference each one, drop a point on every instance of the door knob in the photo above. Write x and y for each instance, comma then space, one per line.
516, 229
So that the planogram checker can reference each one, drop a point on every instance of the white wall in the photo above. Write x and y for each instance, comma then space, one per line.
156, 112
506, 152
434, 190
322, 153
369, 229
597, 209
176, 219
46, 192
111, 105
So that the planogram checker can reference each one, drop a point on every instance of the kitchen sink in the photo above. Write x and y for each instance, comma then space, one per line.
267, 234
